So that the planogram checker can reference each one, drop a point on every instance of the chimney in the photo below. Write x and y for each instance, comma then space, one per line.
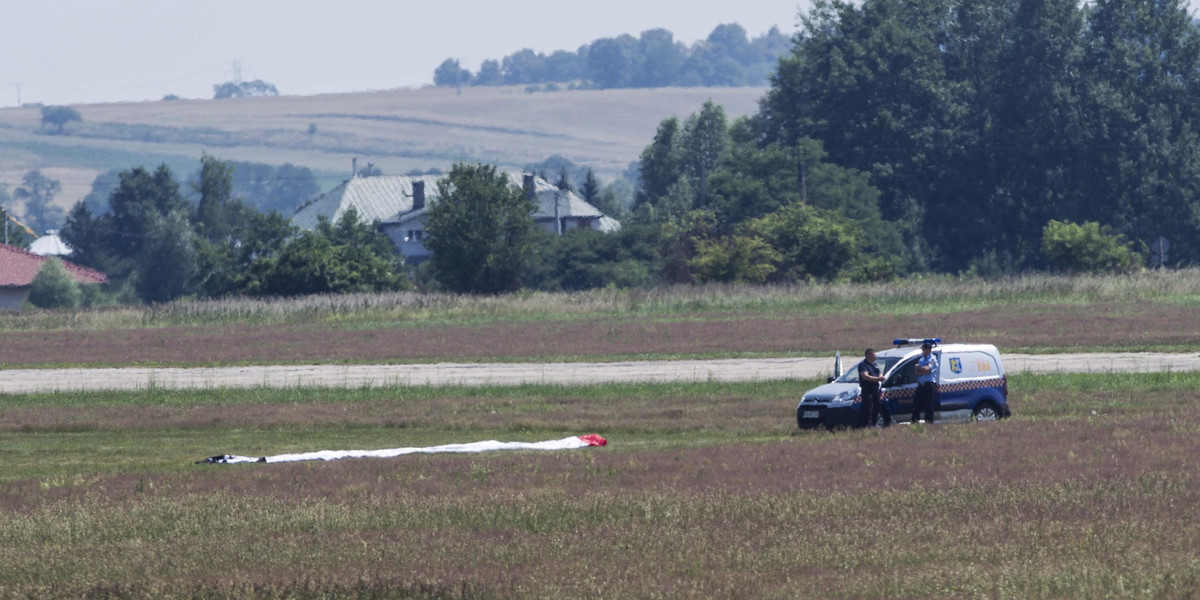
418, 194
354, 167
530, 187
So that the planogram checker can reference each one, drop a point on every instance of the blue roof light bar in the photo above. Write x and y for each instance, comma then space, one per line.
916, 341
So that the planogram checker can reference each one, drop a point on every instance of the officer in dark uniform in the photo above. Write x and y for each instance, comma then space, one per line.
869, 380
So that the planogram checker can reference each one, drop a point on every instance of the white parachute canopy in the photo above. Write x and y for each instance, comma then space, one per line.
570, 443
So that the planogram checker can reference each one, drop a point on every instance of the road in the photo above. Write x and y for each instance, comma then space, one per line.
470, 374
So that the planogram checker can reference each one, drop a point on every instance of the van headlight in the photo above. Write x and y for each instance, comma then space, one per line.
846, 396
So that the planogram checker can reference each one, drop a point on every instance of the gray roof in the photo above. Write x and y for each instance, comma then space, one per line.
388, 199
381, 198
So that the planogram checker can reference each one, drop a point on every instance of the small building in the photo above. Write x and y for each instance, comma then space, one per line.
18, 268
399, 203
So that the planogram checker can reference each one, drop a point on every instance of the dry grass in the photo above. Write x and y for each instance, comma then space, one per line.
1149, 311
720, 501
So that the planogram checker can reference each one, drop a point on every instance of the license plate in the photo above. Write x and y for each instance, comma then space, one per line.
811, 414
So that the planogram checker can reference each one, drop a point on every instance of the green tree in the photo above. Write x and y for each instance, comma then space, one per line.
59, 116
563, 181
661, 59
812, 243
734, 259
349, 256
168, 264
870, 83
479, 231
451, 73
590, 190
525, 66
721, 59
1142, 89
244, 89
705, 142
660, 164
583, 259
612, 62
230, 235
213, 221
37, 192
489, 74
563, 66
1088, 248
144, 241
53, 286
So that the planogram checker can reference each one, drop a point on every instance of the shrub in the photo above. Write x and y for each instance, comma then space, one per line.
1087, 248
53, 287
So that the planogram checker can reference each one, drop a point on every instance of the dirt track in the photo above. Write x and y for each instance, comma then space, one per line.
42, 380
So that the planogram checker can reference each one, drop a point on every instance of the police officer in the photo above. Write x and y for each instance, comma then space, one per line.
869, 380
927, 378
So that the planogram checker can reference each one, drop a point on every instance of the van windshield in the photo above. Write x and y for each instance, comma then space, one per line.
883, 362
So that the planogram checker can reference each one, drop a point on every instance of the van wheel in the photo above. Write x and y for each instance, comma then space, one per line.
985, 411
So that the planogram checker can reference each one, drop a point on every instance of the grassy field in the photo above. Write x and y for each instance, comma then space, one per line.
1037, 313
397, 130
705, 490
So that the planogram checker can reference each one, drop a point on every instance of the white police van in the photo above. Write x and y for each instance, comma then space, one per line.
972, 386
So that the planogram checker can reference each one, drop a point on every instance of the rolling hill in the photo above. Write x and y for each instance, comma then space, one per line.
397, 130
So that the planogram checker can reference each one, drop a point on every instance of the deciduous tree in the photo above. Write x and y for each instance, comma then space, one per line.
59, 116
37, 192
479, 230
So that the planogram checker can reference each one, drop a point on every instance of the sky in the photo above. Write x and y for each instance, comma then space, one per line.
92, 51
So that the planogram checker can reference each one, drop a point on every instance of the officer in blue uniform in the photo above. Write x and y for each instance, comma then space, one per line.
927, 378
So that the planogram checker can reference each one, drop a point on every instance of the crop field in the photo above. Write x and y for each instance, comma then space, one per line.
705, 490
397, 130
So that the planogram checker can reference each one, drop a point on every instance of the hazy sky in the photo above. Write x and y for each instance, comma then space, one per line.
84, 51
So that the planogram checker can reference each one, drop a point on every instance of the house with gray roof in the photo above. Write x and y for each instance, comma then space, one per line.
399, 202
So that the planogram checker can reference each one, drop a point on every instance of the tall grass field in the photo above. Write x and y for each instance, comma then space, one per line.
1151, 311
705, 490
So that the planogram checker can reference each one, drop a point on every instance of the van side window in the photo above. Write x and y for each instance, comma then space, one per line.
904, 375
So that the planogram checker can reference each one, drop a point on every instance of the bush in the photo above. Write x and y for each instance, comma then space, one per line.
53, 287
1087, 248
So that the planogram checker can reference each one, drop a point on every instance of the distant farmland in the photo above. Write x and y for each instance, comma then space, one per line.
397, 130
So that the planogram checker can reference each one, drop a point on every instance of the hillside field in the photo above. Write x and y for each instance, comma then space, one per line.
397, 130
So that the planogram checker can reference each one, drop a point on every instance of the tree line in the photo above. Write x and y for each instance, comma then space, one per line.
156, 245
727, 57
897, 136
980, 122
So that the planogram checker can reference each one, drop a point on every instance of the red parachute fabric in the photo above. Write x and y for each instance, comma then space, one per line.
593, 439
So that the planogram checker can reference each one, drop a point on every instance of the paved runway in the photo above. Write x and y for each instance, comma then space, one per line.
440, 374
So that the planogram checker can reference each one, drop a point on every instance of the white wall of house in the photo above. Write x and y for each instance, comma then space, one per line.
409, 240
12, 298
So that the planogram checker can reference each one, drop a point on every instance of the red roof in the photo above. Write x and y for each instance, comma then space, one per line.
18, 267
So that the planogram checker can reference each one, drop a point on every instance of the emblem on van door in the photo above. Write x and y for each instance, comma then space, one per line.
956, 365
